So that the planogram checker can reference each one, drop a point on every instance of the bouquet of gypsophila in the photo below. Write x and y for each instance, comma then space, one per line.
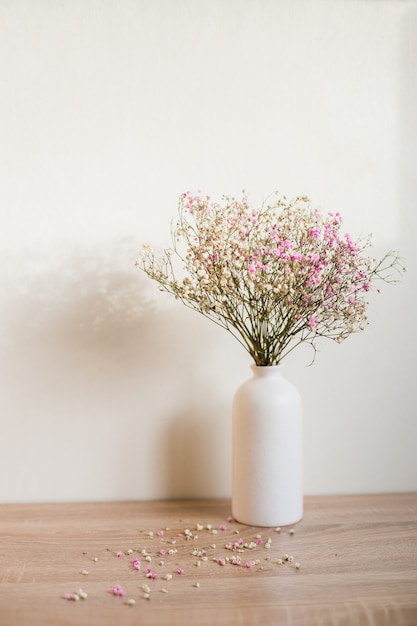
274, 277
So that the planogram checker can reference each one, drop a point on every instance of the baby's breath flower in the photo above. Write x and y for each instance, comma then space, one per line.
117, 591
274, 276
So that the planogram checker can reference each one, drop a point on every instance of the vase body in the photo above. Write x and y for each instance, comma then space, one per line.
267, 451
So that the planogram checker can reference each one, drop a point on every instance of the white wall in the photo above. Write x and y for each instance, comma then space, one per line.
109, 110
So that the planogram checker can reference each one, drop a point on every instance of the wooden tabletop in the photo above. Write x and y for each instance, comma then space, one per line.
352, 560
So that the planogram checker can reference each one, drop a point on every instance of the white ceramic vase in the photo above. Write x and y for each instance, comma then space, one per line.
267, 463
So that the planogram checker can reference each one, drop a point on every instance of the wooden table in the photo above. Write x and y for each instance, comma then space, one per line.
357, 560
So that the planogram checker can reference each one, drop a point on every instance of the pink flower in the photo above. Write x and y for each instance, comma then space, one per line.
250, 564
223, 527
117, 591
180, 570
136, 564
292, 267
119, 554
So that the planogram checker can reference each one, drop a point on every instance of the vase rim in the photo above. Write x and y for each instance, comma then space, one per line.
266, 369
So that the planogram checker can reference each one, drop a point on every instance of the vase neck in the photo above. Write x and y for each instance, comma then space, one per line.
266, 371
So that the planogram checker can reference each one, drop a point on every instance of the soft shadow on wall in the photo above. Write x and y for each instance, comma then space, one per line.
105, 387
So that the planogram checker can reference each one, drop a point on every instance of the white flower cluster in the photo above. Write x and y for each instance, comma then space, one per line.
274, 277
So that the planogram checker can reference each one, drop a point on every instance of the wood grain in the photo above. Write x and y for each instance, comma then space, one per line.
357, 555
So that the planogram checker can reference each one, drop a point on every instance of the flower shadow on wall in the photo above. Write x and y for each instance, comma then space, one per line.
80, 351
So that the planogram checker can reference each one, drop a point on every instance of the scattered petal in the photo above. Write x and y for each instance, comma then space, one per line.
117, 591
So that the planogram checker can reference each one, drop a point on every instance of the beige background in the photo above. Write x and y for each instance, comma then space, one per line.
111, 109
